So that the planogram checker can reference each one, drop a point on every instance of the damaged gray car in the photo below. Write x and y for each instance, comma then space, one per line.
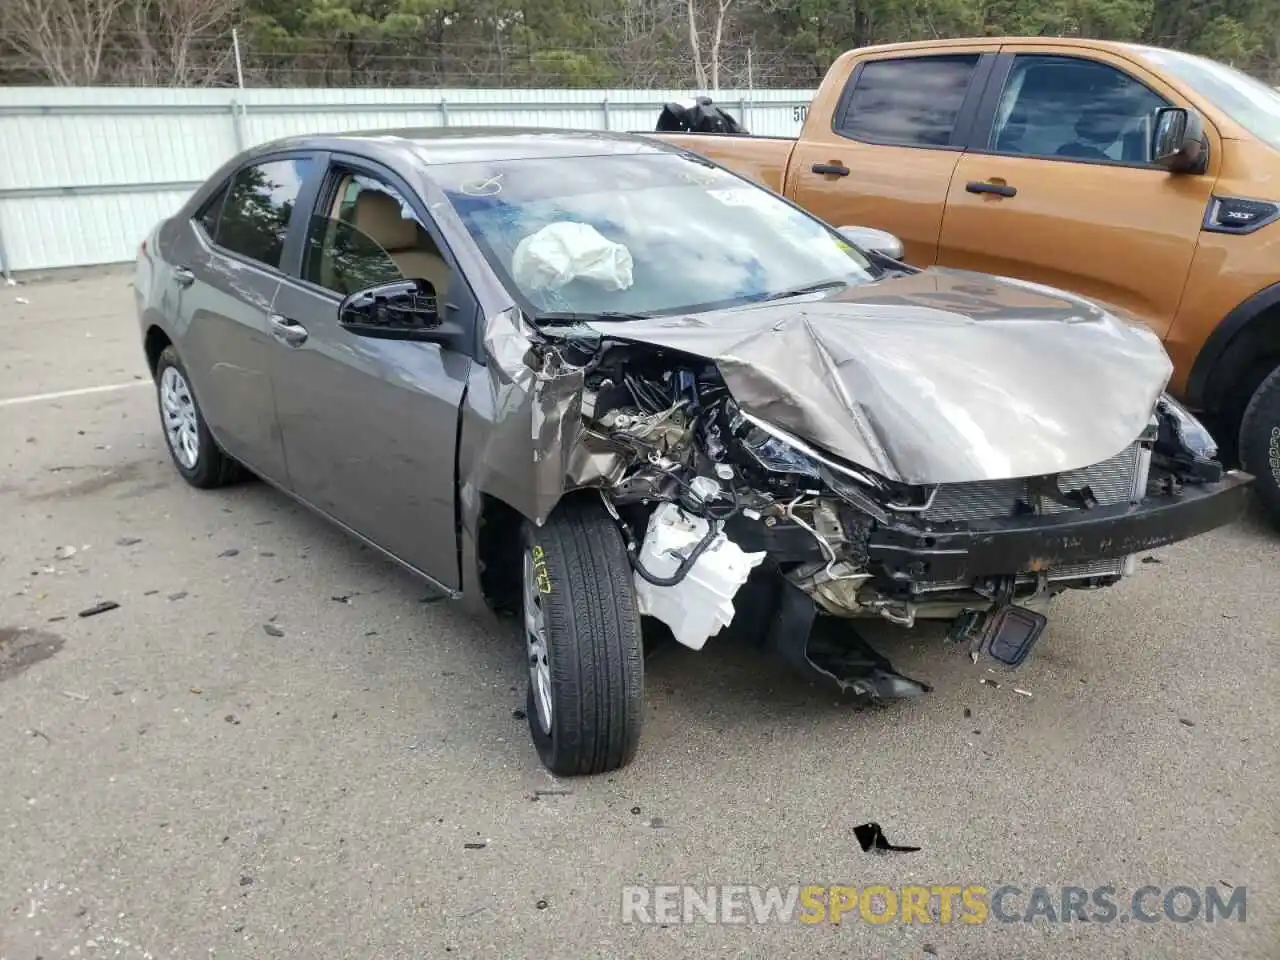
592, 378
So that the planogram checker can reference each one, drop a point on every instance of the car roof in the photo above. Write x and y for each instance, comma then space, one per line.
466, 144
1080, 43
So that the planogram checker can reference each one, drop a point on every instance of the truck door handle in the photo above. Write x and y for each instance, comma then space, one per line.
183, 276
831, 169
287, 331
986, 186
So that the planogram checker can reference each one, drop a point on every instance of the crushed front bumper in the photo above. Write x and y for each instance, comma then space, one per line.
913, 552
785, 618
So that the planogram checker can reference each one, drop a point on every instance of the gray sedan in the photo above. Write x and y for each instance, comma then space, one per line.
587, 379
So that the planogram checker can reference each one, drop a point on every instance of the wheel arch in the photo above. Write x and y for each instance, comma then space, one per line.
1245, 342
154, 343
495, 570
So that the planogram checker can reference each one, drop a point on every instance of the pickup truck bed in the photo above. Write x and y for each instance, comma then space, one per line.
762, 159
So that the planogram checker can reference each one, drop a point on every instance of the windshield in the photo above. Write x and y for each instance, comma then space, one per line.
641, 234
1249, 102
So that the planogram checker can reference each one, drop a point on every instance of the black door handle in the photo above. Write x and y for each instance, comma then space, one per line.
999, 189
831, 169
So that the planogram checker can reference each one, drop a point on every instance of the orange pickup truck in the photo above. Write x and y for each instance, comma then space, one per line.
1142, 177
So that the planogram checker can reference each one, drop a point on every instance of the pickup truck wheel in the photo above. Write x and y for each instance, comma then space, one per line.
1260, 443
195, 453
583, 642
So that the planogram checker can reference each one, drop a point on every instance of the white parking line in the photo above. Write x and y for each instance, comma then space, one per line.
62, 394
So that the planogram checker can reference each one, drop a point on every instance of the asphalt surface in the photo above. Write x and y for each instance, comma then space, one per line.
178, 780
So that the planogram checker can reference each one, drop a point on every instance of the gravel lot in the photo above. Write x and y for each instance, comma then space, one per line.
278, 747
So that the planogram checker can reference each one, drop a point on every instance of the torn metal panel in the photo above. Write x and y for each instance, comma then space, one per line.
534, 451
936, 377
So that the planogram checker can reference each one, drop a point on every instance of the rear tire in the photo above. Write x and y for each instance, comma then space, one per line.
588, 674
191, 446
1260, 444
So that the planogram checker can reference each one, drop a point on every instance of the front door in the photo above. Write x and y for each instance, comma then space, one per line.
370, 425
898, 130
1058, 187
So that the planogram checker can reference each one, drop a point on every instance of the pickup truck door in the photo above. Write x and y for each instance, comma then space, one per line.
370, 425
1056, 185
898, 128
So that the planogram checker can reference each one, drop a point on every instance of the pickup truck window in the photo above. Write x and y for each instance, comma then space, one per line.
1249, 102
1074, 109
912, 101
692, 236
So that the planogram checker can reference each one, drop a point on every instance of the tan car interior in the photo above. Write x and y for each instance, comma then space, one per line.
411, 248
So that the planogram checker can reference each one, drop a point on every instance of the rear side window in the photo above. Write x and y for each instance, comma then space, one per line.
912, 101
259, 204
208, 216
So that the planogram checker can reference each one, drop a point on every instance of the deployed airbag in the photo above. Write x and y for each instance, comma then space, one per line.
565, 251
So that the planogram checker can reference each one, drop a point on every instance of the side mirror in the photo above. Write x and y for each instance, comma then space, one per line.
400, 310
1177, 140
873, 241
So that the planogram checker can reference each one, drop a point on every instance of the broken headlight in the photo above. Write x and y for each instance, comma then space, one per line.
767, 450
1181, 432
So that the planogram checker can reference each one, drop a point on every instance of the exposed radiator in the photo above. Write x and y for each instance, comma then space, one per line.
1121, 479
1112, 482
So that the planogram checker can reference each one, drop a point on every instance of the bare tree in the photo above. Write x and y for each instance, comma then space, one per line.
717, 12
61, 41
166, 35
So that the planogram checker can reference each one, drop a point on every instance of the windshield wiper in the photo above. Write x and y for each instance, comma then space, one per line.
571, 317
801, 291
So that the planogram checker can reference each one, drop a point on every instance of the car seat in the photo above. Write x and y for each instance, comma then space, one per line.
378, 216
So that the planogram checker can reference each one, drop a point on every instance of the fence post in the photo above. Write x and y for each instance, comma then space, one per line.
4, 260
444, 112
604, 107
235, 47
237, 124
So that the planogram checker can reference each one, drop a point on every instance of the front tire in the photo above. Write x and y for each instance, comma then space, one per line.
194, 451
1260, 444
582, 638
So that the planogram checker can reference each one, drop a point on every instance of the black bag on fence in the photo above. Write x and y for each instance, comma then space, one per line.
698, 115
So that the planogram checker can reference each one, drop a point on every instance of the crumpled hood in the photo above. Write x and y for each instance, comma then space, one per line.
943, 376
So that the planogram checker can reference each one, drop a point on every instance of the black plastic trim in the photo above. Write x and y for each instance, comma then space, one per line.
1215, 201
1203, 370
1001, 547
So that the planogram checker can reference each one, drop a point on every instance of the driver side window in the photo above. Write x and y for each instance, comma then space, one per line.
369, 235
1074, 109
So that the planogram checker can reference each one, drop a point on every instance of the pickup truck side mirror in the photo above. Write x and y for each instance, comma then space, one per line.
1177, 140
873, 241
400, 310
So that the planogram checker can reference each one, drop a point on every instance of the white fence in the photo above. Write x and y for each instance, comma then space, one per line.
84, 173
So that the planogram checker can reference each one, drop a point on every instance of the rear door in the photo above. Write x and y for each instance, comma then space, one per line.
370, 425
896, 135
226, 266
1057, 185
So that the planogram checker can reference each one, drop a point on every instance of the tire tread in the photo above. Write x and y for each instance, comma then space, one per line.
593, 626
1260, 416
